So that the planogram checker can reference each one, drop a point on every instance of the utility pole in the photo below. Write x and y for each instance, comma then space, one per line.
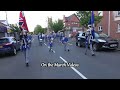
7, 24
6, 17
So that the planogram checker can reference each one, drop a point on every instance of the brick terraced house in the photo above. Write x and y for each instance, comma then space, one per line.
71, 24
110, 23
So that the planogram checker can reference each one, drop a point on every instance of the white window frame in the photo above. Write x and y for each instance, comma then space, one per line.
64, 24
118, 13
119, 27
76, 23
73, 23
68, 24
100, 28
101, 13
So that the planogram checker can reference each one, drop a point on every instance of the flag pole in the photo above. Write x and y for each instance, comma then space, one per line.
6, 17
92, 22
92, 19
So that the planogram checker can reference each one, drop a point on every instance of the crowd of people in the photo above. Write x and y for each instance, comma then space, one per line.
50, 38
26, 41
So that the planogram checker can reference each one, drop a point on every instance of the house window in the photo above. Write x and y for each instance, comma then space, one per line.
68, 24
64, 24
101, 13
118, 13
73, 22
118, 27
100, 28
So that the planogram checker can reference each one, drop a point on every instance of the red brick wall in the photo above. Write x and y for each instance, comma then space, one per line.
104, 22
113, 24
114, 27
96, 13
73, 19
67, 23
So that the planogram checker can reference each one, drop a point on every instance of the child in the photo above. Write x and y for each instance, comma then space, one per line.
65, 41
51, 45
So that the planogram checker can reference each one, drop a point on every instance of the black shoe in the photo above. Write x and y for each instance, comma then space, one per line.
68, 50
27, 64
93, 54
85, 53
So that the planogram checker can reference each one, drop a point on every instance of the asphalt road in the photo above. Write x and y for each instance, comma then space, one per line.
105, 65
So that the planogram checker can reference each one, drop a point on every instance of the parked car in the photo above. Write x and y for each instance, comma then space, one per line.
79, 36
9, 45
101, 41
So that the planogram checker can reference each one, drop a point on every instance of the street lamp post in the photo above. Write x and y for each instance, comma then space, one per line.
7, 23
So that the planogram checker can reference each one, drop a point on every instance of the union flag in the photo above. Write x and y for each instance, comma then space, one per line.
22, 21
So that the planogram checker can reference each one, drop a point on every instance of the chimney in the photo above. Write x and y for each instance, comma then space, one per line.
63, 18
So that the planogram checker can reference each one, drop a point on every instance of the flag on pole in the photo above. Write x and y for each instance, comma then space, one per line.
22, 21
91, 22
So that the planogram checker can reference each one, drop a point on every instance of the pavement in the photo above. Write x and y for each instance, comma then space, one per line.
46, 65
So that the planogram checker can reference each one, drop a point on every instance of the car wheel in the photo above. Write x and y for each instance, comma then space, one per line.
18, 49
79, 44
76, 43
95, 47
14, 51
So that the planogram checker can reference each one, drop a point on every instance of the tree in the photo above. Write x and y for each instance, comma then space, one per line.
84, 17
38, 29
30, 33
56, 26
14, 28
45, 30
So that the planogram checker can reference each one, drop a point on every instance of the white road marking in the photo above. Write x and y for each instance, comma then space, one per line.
53, 51
32, 40
69, 44
45, 44
80, 74
63, 59
49, 47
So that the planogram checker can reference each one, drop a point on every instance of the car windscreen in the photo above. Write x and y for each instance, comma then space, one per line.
103, 35
97, 35
80, 34
4, 40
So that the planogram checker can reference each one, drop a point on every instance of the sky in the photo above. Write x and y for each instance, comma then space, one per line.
34, 18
